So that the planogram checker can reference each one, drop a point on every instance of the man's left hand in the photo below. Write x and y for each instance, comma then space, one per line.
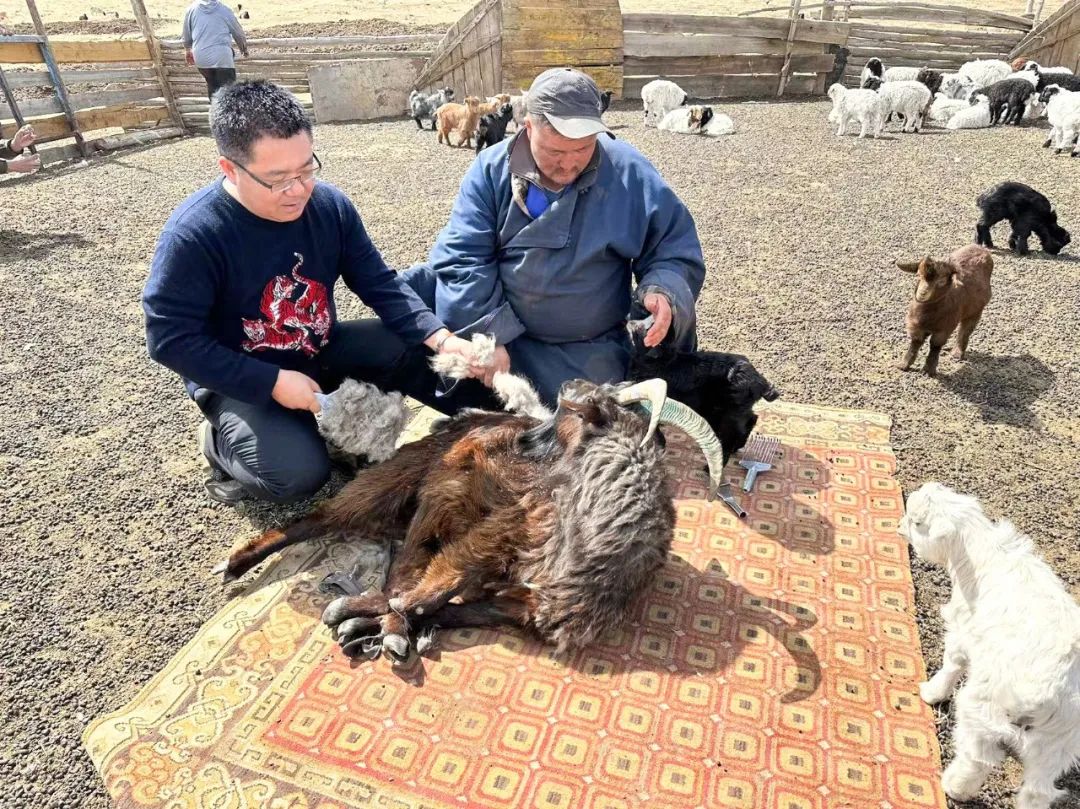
660, 309
23, 138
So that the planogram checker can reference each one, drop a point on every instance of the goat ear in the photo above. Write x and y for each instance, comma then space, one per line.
909, 266
588, 410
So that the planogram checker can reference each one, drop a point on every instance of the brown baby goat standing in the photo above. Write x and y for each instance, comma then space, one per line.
460, 118
950, 291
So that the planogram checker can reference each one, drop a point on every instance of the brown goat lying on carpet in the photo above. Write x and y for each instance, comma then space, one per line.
554, 524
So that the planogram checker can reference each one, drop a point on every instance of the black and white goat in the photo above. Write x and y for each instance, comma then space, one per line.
492, 127
422, 105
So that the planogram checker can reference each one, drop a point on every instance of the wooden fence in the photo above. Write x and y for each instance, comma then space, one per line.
1056, 41
283, 61
726, 57
924, 35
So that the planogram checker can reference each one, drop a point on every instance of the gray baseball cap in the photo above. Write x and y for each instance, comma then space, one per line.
569, 99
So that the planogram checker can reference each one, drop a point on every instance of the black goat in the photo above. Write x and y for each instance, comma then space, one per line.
1008, 96
492, 127
605, 101
931, 78
722, 388
1028, 212
1067, 81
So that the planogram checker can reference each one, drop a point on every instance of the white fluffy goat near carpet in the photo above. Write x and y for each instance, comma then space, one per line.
1014, 629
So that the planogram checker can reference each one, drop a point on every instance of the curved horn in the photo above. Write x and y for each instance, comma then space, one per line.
686, 419
653, 392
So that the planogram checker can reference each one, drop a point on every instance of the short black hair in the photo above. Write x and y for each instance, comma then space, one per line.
245, 111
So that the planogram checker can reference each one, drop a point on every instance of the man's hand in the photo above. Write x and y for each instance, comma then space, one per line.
296, 391
486, 373
660, 309
189, 56
24, 164
23, 138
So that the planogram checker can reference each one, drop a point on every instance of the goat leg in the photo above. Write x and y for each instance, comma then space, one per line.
964, 334
982, 234
245, 557
913, 351
930, 368
502, 610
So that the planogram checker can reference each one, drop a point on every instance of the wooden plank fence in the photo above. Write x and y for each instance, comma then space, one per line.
1055, 41
284, 61
729, 57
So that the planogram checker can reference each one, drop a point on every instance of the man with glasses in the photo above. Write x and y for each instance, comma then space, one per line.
240, 303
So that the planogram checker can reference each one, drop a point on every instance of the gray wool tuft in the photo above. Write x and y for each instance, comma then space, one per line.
363, 420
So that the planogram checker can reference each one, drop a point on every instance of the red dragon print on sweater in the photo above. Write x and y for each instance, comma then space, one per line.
290, 323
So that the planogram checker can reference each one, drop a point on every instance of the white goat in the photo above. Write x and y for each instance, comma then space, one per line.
856, 105
944, 108
518, 104
953, 85
697, 120
984, 72
660, 97
976, 116
1015, 630
901, 73
908, 98
1063, 113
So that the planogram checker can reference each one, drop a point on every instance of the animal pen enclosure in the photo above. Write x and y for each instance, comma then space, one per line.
57, 90
1055, 41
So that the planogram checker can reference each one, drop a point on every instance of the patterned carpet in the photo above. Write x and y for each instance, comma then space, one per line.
773, 665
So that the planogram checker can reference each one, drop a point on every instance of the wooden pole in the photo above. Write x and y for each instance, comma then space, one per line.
785, 72
57, 79
1039, 11
20, 122
159, 62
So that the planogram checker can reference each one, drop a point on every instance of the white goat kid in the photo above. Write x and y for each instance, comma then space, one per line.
862, 106
1014, 629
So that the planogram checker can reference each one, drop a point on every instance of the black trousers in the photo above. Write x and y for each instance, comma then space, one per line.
216, 78
277, 454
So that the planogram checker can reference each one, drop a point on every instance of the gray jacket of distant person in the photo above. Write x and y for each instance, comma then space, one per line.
209, 31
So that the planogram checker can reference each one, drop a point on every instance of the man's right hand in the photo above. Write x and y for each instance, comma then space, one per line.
296, 391
189, 57
24, 163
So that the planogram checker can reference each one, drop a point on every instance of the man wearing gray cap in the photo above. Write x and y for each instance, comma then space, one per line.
547, 234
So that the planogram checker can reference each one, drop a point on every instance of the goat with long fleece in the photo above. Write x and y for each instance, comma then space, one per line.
1028, 212
975, 116
856, 105
424, 106
554, 525
1063, 113
697, 120
1045, 76
1013, 628
911, 99
953, 85
984, 72
1008, 99
660, 97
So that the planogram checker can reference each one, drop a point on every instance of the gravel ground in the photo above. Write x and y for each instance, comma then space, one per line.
104, 573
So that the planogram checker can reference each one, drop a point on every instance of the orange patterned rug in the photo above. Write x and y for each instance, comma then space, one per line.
773, 665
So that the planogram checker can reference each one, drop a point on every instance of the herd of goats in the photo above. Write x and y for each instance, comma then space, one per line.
555, 521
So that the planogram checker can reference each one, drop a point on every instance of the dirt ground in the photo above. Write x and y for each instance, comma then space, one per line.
109, 539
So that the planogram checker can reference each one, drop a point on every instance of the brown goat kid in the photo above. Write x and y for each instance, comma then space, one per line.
950, 292
554, 525
459, 118
494, 103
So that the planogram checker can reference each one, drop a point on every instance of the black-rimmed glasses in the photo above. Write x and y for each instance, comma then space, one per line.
281, 186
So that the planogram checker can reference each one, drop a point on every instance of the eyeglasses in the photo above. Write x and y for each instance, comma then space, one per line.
281, 186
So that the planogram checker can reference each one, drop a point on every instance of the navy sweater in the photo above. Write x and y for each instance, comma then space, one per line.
232, 297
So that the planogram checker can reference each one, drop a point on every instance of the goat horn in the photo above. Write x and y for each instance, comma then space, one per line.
686, 419
653, 391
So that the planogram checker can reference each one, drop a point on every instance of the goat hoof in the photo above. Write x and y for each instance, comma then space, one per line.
354, 628
396, 647
337, 611
339, 583
366, 648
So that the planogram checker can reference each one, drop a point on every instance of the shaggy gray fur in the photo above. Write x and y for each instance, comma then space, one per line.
360, 419
613, 525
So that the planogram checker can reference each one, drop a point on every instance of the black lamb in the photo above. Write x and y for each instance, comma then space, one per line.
1008, 96
1067, 81
931, 78
1028, 212
722, 388
492, 127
